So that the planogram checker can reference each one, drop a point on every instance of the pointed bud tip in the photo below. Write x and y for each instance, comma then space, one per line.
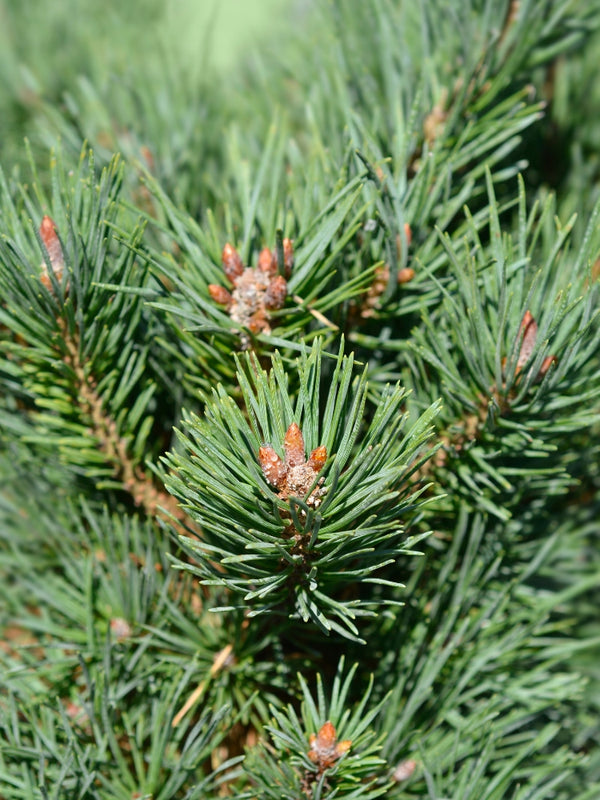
49, 236
219, 294
47, 225
318, 457
232, 262
267, 261
327, 733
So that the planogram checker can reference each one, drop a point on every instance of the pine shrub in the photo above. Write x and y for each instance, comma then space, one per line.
299, 374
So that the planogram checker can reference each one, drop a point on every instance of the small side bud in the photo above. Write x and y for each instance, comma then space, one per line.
405, 275
272, 466
527, 335
232, 263
54, 249
317, 458
219, 294
276, 293
528, 330
549, 361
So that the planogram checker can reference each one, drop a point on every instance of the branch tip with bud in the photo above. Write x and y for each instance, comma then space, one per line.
294, 475
257, 291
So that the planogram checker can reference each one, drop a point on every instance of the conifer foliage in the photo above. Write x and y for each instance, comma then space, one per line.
299, 378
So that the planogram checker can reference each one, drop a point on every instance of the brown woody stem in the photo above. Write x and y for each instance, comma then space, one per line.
132, 476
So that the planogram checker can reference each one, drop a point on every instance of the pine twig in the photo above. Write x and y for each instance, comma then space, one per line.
155, 502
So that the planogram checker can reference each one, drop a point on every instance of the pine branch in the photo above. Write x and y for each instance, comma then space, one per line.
326, 275
312, 765
514, 382
338, 277
286, 534
128, 474
77, 361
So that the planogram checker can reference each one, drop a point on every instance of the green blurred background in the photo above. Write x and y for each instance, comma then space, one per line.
49, 47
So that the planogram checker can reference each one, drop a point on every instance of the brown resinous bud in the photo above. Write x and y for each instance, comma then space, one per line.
233, 265
527, 334
53, 247
325, 749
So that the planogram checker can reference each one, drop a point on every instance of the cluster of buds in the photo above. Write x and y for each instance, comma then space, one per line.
325, 749
527, 335
381, 279
257, 291
294, 475
53, 247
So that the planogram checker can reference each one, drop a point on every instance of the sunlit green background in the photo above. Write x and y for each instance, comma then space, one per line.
47, 45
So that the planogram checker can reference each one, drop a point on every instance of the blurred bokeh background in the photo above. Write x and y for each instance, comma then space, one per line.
80, 60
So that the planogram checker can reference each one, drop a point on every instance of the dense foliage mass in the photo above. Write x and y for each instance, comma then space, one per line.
299, 374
